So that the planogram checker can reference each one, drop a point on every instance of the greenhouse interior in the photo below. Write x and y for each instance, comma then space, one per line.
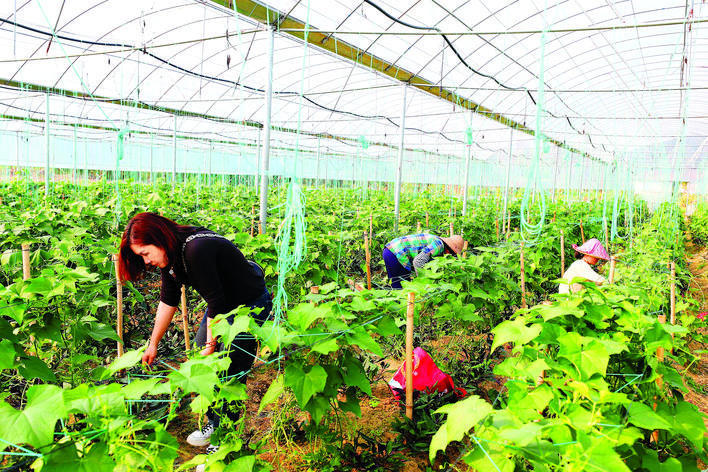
309, 235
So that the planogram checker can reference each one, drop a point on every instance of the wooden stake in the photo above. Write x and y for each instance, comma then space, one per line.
315, 289
119, 304
496, 224
427, 220
409, 355
672, 318
185, 319
368, 261
371, 227
508, 224
562, 254
464, 249
451, 230
417, 228
607, 237
613, 263
26, 270
523, 279
582, 231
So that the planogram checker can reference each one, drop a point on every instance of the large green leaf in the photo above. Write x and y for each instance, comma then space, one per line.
461, 417
273, 393
127, 360
7, 354
588, 355
305, 384
35, 424
643, 416
514, 331
195, 376
32, 367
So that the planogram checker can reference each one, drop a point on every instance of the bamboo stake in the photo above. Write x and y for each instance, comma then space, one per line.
496, 224
417, 228
582, 231
26, 270
607, 236
508, 224
409, 355
119, 304
464, 249
613, 263
368, 261
562, 254
185, 319
451, 229
672, 319
427, 220
523, 279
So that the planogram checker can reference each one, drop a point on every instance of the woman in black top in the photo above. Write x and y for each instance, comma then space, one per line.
215, 268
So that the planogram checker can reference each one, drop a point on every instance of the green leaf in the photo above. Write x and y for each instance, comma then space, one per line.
688, 421
305, 384
98, 400
514, 331
127, 360
226, 332
361, 304
37, 286
101, 331
588, 355
195, 376
7, 354
34, 368
354, 374
137, 388
325, 347
301, 316
274, 392
360, 337
643, 416
35, 424
66, 459
461, 417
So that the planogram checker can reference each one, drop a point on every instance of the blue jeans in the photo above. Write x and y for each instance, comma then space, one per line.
396, 272
242, 353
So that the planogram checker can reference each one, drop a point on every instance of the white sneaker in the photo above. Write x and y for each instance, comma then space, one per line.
200, 437
211, 449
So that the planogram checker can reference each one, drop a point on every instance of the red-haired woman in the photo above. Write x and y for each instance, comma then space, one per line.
215, 268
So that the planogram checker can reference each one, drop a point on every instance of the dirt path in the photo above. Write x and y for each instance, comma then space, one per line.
698, 265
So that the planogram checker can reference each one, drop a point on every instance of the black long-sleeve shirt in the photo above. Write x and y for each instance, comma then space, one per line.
216, 269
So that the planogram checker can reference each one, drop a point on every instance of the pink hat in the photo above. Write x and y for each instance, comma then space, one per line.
593, 247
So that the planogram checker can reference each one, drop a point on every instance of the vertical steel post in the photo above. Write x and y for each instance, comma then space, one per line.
317, 172
399, 167
256, 181
570, 167
174, 153
266, 139
73, 174
555, 175
465, 194
46, 141
508, 172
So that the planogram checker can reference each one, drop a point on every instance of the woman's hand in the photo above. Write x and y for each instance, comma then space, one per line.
208, 348
150, 354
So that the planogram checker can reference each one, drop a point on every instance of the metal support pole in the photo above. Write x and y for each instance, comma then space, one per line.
46, 141
399, 167
508, 172
174, 153
73, 174
465, 194
266, 126
555, 175
317, 172
256, 181
570, 167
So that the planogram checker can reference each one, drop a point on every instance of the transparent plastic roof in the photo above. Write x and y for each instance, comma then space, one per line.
619, 77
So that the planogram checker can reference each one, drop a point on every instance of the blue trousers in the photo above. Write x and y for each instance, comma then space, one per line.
396, 272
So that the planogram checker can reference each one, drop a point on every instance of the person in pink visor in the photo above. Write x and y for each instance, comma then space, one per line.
589, 255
